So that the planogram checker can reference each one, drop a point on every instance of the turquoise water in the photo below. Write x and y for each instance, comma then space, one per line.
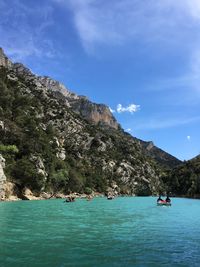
129, 231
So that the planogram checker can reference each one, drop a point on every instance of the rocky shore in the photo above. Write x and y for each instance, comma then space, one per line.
27, 194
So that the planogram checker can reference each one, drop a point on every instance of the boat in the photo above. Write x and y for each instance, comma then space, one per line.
70, 199
163, 203
110, 197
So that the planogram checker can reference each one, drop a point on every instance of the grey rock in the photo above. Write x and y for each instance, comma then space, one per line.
4, 61
2, 177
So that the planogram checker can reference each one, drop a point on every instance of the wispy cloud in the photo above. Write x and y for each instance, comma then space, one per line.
188, 80
116, 22
20, 37
163, 23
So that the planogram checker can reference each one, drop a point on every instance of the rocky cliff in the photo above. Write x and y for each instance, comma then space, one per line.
2, 177
95, 113
55, 140
4, 61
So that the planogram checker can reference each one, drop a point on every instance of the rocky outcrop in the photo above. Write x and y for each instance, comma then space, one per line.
56, 86
96, 113
38, 162
11, 192
2, 178
28, 195
4, 61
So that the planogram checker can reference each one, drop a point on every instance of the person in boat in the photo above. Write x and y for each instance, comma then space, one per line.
70, 199
168, 200
160, 199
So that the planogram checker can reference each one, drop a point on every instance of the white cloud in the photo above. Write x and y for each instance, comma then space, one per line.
111, 110
188, 137
131, 108
21, 39
128, 130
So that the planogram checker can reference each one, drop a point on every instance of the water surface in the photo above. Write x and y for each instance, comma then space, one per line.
126, 231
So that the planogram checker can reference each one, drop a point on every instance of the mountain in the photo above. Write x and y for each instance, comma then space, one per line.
184, 180
53, 140
163, 158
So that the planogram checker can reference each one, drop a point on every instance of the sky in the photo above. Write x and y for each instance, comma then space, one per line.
139, 57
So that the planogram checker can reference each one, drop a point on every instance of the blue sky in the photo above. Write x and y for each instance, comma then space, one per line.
140, 57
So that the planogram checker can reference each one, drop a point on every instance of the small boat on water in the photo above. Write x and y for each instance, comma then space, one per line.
163, 203
70, 199
110, 197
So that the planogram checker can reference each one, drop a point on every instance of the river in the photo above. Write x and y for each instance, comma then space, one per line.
126, 231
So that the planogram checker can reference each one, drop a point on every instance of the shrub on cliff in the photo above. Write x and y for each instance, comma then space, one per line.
26, 174
10, 149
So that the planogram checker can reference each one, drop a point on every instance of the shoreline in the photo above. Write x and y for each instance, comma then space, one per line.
47, 196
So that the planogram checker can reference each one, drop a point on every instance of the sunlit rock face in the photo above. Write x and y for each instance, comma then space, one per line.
96, 113
2, 177
4, 61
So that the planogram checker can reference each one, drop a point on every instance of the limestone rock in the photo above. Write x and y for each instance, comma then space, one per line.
45, 195
96, 113
61, 154
28, 195
39, 165
4, 61
56, 86
2, 177
11, 192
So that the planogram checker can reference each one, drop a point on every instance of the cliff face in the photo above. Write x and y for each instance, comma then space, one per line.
95, 113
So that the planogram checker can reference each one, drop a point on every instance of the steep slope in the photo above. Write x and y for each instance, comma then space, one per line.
55, 140
95, 113
184, 180
163, 158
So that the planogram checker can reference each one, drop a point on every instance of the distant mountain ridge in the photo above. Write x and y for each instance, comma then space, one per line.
162, 157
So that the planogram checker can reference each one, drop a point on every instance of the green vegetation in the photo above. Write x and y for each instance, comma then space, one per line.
48, 147
184, 180
28, 137
11, 149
